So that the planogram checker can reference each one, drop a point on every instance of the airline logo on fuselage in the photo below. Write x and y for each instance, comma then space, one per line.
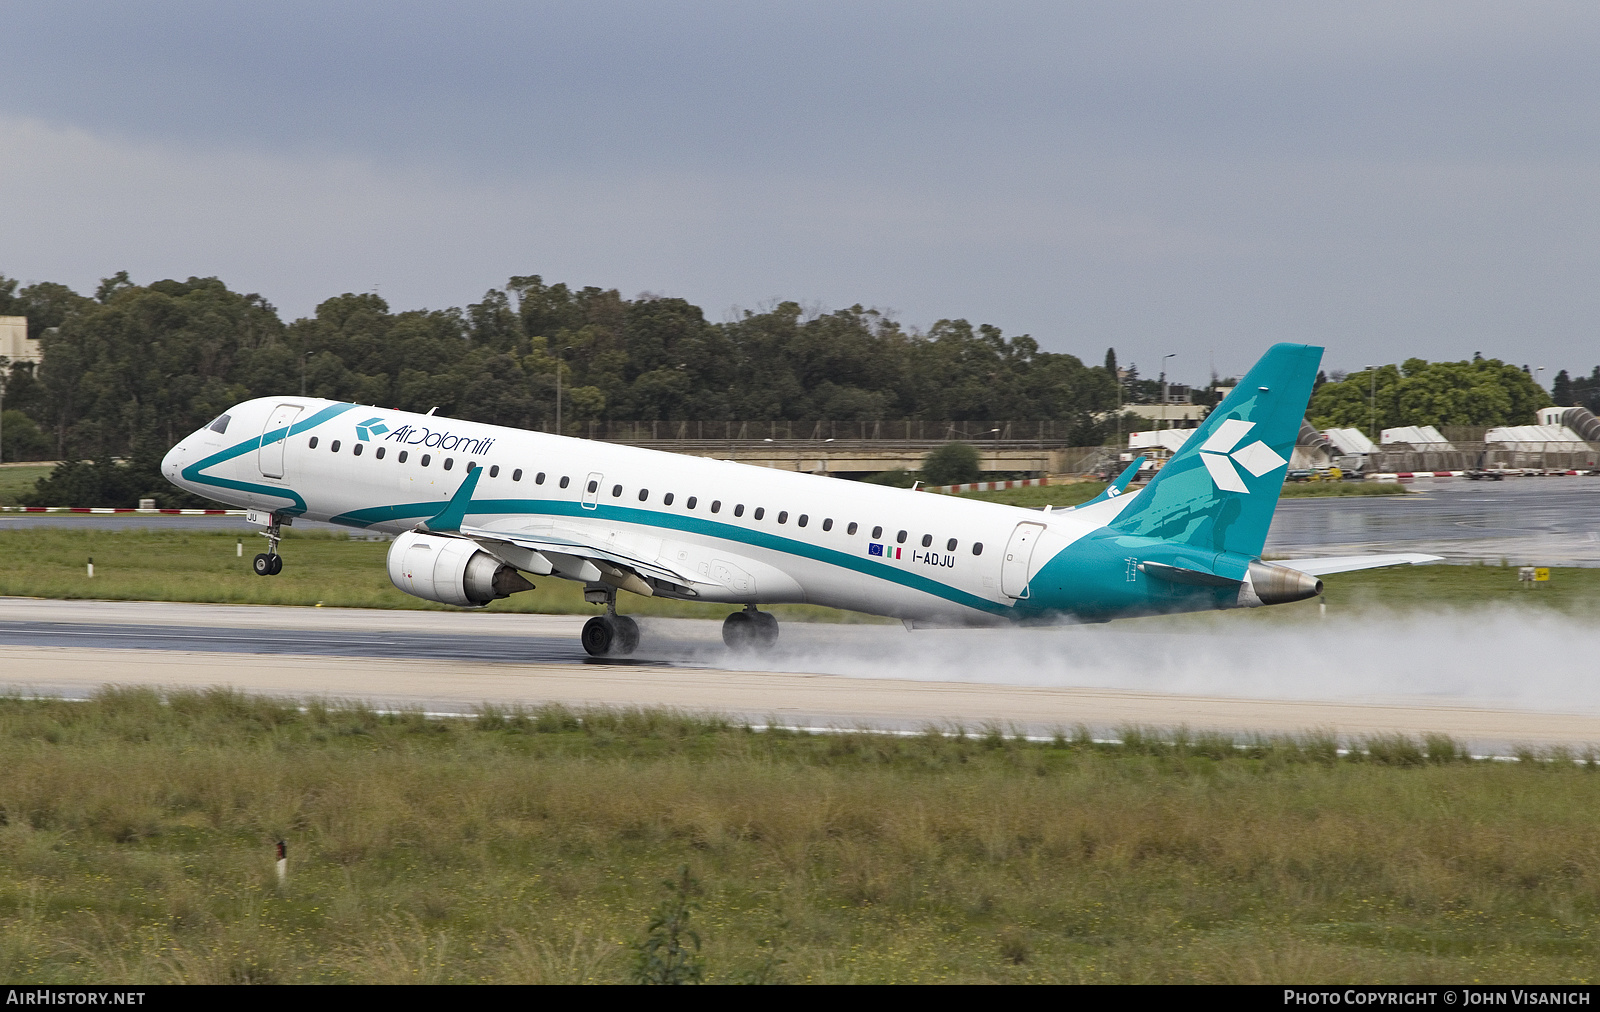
421, 435
369, 428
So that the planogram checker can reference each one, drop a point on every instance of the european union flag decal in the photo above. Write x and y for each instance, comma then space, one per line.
874, 549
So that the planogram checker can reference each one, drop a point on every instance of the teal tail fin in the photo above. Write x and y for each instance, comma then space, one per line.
1219, 492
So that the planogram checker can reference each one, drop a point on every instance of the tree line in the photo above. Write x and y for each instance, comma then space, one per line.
1479, 392
133, 368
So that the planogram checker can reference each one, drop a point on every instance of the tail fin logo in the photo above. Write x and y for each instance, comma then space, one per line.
369, 428
1219, 455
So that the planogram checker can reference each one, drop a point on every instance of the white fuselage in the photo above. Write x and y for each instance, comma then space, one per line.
740, 533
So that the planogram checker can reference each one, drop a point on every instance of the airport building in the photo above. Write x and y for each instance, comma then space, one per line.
15, 344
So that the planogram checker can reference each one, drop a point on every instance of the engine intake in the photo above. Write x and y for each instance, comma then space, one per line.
450, 571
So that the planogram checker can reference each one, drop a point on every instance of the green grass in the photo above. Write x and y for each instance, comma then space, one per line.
328, 569
336, 571
137, 847
1318, 489
15, 481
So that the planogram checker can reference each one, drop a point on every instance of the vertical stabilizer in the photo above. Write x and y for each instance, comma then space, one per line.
1219, 491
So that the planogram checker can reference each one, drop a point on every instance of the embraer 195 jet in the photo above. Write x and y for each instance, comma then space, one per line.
474, 507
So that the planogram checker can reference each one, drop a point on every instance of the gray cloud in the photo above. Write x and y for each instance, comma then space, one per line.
1391, 180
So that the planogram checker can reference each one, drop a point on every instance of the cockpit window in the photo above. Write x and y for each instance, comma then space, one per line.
220, 425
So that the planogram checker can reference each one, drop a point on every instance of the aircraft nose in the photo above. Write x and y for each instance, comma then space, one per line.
172, 463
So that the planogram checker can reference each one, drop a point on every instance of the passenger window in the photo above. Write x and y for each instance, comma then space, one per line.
472, 465
877, 532
592, 485
356, 449
761, 511
950, 545
616, 491
738, 510
692, 501
666, 500
900, 538
313, 443
927, 539
494, 470
516, 475
851, 529
403, 455
565, 480
977, 548
220, 426
644, 494
379, 453
783, 516
334, 447
538, 479
426, 457
449, 462
716, 505
827, 524
801, 520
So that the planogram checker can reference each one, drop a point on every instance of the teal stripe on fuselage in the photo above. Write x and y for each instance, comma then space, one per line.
194, 472
688, 525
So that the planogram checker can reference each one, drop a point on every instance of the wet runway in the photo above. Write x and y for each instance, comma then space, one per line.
1526, 521
1467, 674
322, 643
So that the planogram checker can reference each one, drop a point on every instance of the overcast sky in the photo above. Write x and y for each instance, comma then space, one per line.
1389, 179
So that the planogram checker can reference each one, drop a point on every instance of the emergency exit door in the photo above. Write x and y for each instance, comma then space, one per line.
1019, 554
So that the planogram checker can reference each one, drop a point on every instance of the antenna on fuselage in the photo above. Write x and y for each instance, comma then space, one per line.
433, 409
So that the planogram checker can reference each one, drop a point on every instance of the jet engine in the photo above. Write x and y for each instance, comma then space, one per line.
1270, 584
450, 571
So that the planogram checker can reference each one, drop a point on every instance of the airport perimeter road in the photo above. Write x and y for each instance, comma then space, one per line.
455, 662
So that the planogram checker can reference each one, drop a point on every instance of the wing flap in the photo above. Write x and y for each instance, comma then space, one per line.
565, 544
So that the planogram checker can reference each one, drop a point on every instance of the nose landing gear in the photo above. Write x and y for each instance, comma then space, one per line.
608, 635
270, 563
750, 630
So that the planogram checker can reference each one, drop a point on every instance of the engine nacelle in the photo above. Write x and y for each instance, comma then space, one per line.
450, 571
1270, 584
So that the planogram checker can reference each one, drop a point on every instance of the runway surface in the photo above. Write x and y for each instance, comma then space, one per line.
1267, 680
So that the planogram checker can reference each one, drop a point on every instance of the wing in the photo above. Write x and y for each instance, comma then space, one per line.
1350, 563
564, 551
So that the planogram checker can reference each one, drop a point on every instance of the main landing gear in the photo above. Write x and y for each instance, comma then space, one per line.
270, 563
608, 635
750, 630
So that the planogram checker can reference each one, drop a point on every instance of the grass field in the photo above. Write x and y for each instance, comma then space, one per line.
137, 846
336, 571
14, 481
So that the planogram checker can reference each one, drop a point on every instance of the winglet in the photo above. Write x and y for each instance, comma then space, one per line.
448, 520
1117, 487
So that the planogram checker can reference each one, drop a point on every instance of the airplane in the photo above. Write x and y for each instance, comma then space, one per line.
477, 509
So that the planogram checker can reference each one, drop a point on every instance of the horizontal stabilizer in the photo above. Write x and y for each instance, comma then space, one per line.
1189, 577
1351, 563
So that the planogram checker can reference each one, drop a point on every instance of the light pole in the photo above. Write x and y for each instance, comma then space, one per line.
1372, 398
561, 358
5, 374
303, 357
1164, 385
